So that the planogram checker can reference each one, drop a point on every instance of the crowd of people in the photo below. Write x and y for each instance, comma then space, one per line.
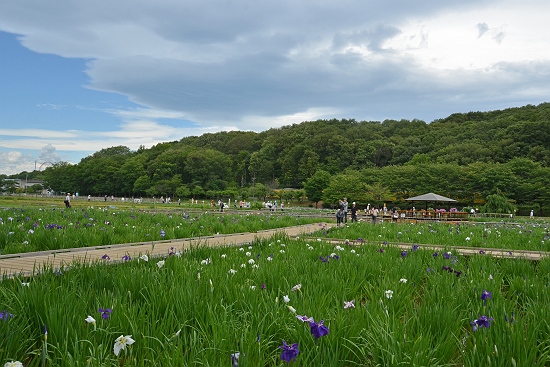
370, 211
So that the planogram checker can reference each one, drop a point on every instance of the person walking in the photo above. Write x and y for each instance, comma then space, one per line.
353, 212
374, 214
67, 200
339, 216
345, 208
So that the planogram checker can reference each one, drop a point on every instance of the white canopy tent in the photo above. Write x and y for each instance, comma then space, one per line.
431, 197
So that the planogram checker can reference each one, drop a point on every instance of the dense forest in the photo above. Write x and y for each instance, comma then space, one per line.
466, 156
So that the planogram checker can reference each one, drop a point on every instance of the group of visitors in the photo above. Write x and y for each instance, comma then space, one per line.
272, 206
344, 208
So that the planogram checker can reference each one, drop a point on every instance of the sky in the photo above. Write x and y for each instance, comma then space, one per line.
80, 76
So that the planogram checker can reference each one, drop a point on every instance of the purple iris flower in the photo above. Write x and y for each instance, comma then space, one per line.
318, 329
105, 313
481, 322
403, 253
447, 255
323, 259
415, 247
105, 257
485, 294
435, 254
4, 315
162, 233
126, 258
304, 318
289, 352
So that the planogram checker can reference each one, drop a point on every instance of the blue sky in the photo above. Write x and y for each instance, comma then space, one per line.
77, 77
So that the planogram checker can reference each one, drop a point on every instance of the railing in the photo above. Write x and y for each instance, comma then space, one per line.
433, 215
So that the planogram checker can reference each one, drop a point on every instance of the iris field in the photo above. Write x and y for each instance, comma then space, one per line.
30, 229
302, 302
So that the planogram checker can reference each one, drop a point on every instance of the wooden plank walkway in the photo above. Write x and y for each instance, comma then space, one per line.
466, 251
32, 263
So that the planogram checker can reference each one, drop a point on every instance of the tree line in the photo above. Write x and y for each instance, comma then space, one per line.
465, 156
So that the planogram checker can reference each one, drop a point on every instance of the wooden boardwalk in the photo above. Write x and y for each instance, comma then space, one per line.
32, 263
466, 251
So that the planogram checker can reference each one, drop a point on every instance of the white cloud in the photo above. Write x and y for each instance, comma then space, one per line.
48, 154
15, 162
195, 67
42, 133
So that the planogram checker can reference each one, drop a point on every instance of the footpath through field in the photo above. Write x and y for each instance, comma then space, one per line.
466, 251
32, 263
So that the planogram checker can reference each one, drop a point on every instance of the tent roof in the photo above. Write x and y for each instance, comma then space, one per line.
430, 197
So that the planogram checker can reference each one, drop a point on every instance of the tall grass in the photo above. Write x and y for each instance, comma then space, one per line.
207, 303
41, 229
524, 235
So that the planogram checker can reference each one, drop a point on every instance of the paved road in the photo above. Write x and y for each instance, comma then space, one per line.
28, 264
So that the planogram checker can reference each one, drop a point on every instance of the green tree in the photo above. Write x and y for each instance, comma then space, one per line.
129, 172
183, 192
142, 184
35, 189
61, 177
315, 185
198, 192
498, 203
208, 166
259, 190
242, 162
10, 186
346, 185
262, 165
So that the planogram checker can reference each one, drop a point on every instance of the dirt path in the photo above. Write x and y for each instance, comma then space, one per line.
28, 264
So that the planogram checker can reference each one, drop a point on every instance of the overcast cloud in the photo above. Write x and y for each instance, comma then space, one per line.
189, 67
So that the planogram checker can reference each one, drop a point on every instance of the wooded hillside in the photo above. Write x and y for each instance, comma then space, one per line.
465, 156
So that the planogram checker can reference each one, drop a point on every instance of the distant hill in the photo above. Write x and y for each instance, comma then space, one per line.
230, 162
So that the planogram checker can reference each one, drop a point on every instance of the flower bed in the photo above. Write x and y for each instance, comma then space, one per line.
278, 301
39, 229
496, 235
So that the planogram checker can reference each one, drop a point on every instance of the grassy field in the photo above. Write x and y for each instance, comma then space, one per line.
26, 228
365, 303
351, 305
